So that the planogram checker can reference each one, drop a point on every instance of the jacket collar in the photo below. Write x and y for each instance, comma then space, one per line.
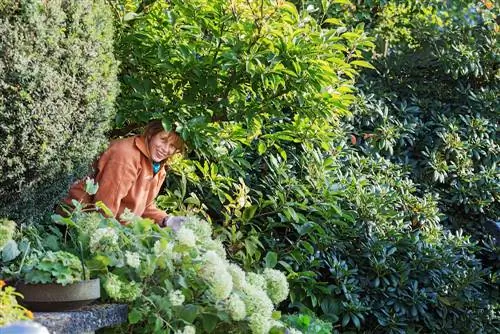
140, 143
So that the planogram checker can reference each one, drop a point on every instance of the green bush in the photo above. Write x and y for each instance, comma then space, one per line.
433, 103
57, 89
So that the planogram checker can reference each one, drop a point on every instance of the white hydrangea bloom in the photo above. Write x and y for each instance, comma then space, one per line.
212, 259
221, 285
112, 286
257, 301
276, 285
103, 239
239, 276
294, 331
176, 298
186, 237
275, 323
256, 280
132, 259
259, 324
128, 216
236, 307
216, 246
201, 228
215, 273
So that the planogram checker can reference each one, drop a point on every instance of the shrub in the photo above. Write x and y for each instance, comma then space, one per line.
432, 105
57, 89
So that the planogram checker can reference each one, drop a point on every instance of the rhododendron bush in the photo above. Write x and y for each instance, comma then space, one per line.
175, 282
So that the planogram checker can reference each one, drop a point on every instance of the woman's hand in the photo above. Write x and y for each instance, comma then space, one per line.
174, 222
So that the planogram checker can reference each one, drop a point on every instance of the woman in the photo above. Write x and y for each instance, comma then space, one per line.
131, 172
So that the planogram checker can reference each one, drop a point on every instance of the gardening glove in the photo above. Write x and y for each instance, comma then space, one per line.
174, 222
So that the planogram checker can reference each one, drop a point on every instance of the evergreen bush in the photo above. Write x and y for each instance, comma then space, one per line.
57, 89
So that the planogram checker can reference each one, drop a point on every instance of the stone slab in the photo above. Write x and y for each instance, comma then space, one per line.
86, 319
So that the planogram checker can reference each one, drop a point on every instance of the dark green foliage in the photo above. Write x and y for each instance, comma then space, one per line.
57, 89
433, 103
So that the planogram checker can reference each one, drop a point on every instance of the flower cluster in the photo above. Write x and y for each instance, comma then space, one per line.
103, 239
176, 298
132, 259
184, 269
120, 290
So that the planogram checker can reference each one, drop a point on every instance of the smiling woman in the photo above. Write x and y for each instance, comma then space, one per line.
131, 172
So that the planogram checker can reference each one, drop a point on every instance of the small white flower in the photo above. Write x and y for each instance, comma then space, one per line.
202, 229
186, 237
221, 284
294, 331
132, 259
216, 246
112, 286
176, 297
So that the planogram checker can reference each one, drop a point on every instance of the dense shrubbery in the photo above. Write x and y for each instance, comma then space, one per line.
57, 89
272, 167
433, 101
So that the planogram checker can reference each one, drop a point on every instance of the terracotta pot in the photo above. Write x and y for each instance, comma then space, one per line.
56, 297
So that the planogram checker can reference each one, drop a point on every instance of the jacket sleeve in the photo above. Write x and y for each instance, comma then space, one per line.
154, 213
151, 211
115, 179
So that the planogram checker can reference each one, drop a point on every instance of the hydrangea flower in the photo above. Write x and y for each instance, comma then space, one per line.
7, 230
186, 237
112, 286
120, 290
216, 246
214, 272
132, 259
201, 229
259, 324
276, 285
238, 275
236, 307
257, 301
176, 297
103, 239
294, 331
256, 280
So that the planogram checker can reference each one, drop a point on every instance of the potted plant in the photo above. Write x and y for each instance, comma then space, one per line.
56, 281
50, 280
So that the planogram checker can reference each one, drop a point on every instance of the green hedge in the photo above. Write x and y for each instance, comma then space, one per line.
57, 90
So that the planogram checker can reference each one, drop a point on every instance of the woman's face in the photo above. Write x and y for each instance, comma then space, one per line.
163, 145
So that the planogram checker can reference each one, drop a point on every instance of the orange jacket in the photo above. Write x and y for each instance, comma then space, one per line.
124, 173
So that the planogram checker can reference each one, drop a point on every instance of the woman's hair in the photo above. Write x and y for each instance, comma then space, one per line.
155, 127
